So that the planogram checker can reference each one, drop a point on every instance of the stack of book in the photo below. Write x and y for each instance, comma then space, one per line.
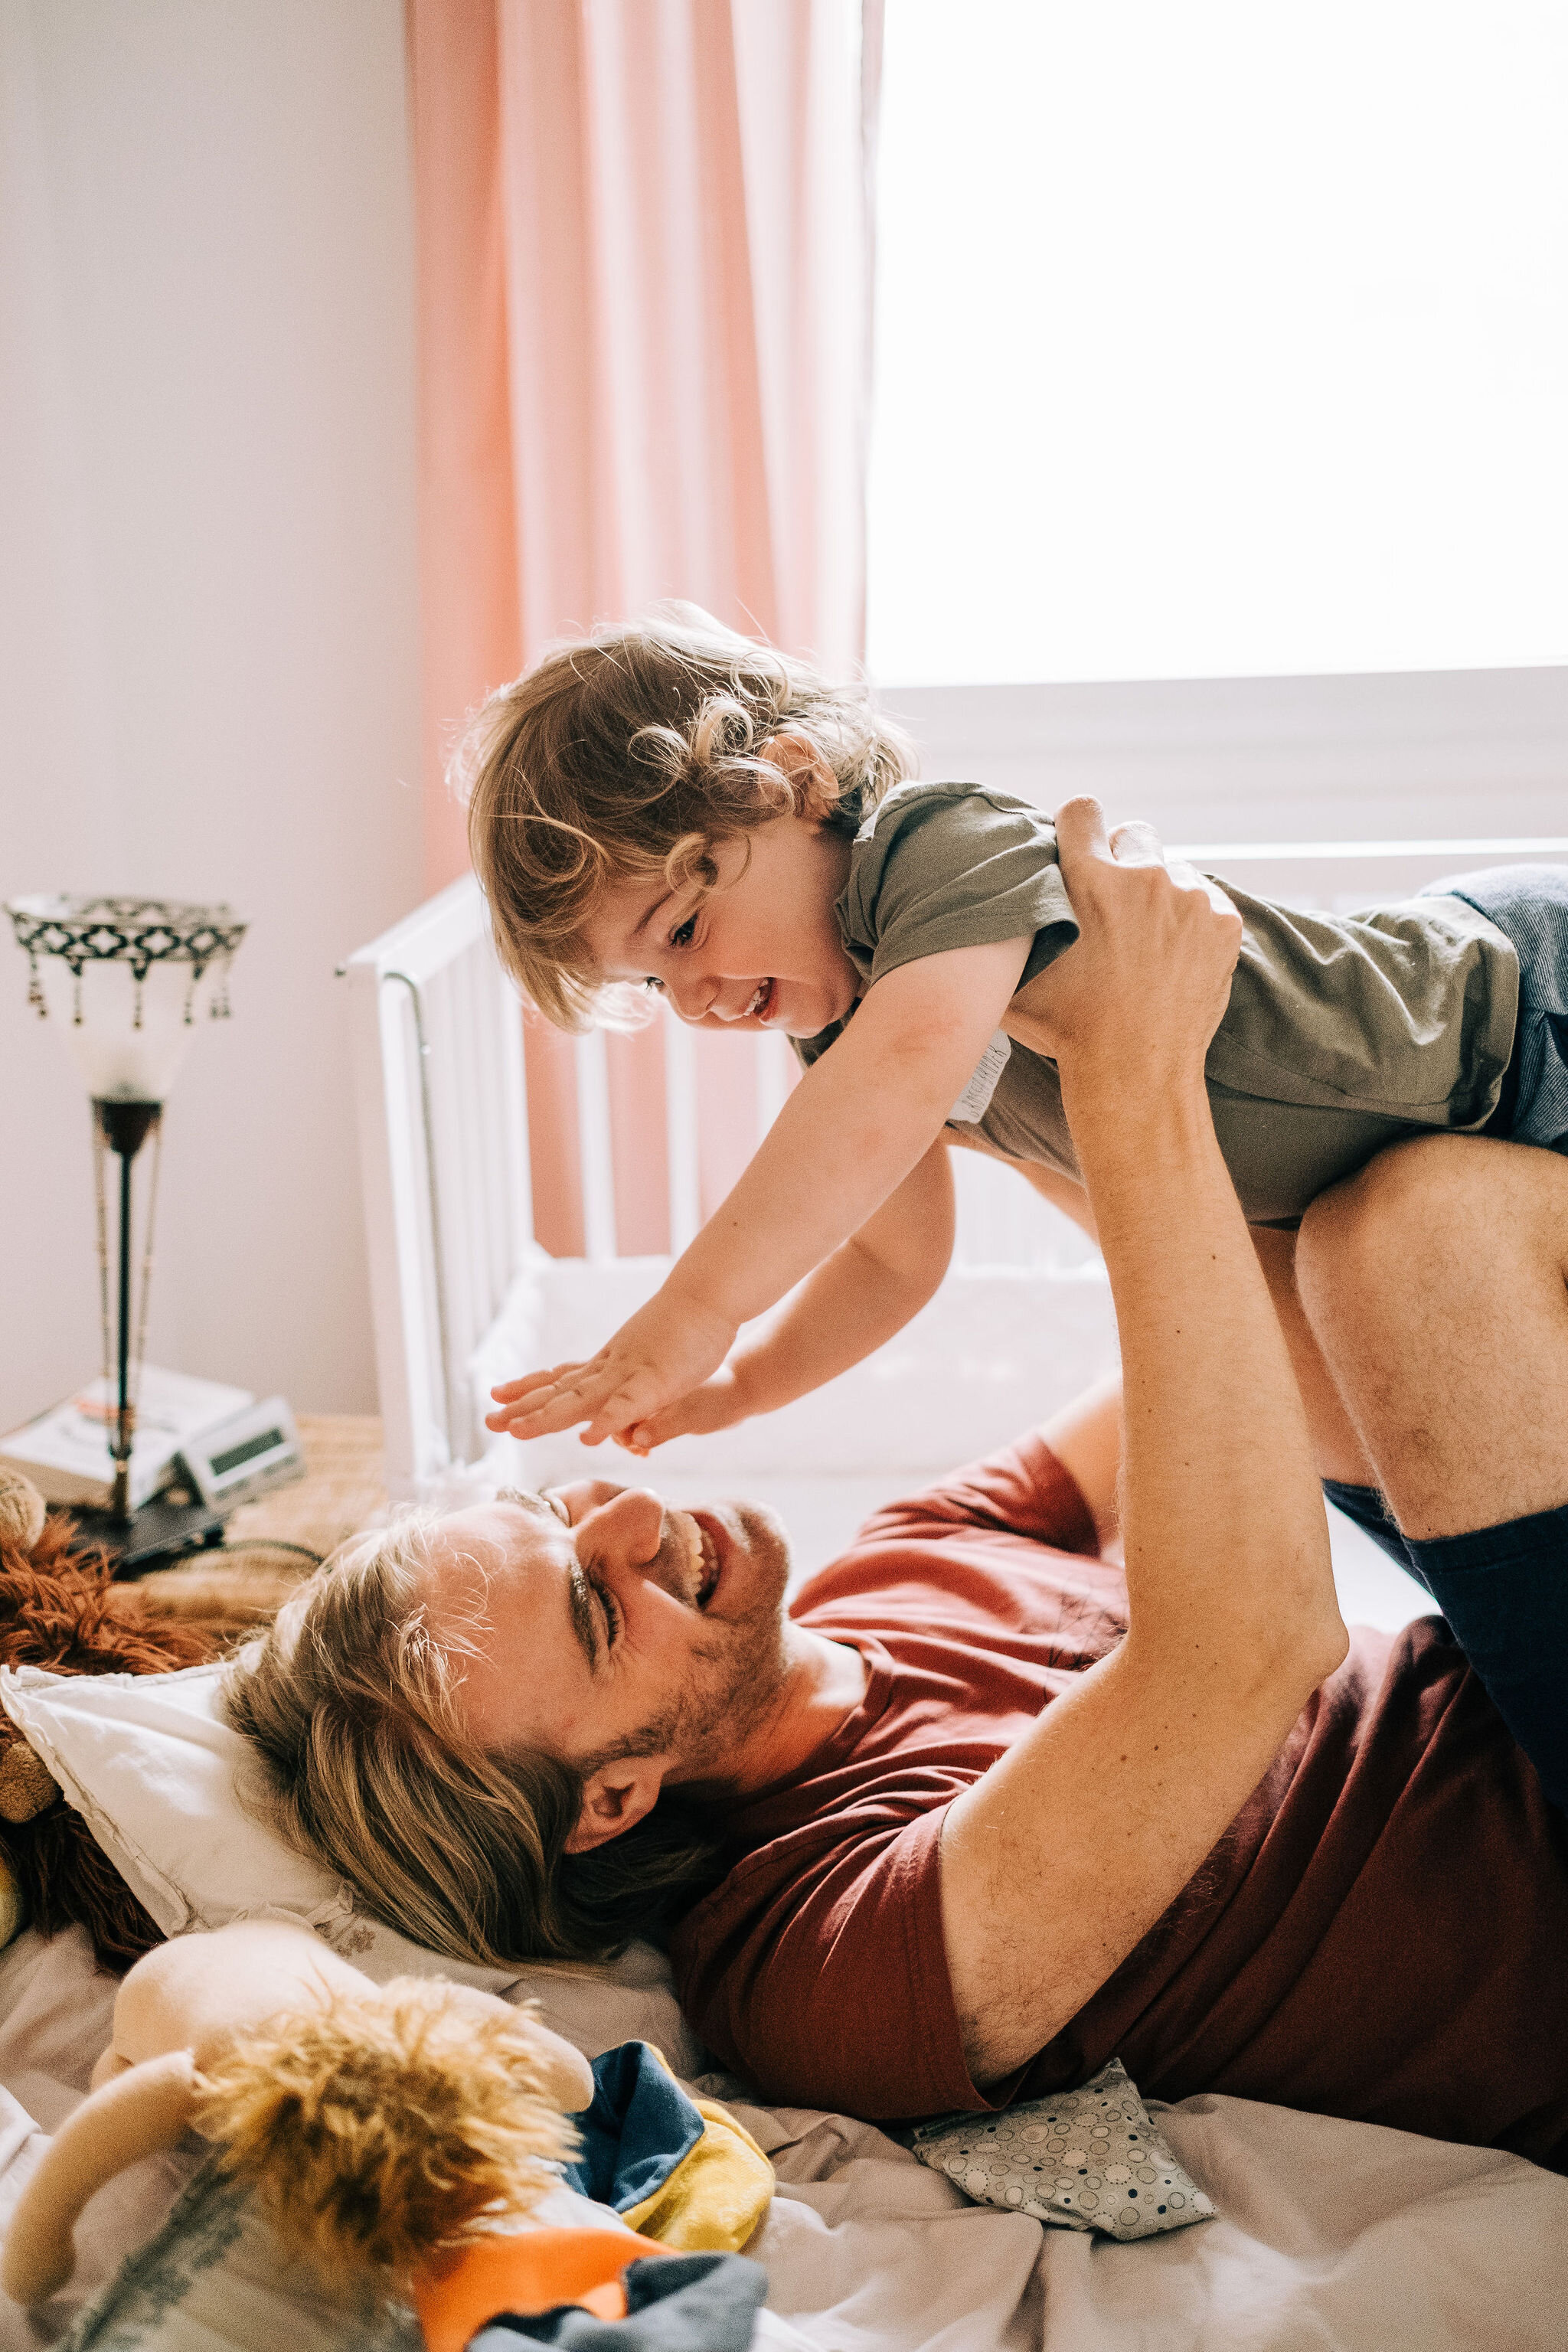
66, 1451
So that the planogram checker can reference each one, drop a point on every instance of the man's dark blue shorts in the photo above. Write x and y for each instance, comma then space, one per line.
1504, 1591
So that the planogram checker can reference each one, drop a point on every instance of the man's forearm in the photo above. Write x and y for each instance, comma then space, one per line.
1065, 1854
1221, 1505
1232, 1619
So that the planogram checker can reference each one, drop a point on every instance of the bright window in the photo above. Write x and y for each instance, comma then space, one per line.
1220, 339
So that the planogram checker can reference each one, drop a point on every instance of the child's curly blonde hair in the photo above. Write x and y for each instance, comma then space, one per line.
634, 752
379, 2129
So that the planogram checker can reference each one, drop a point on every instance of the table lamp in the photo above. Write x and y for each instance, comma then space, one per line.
126, 979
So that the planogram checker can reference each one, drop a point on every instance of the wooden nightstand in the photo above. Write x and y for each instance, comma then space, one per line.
268, 1544
342, 1490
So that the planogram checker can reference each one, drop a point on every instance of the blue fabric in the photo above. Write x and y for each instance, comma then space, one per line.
1529, 904
685, 2302
640, 2127
1504, 1591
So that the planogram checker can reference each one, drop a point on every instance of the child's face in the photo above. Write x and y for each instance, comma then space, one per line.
760, 950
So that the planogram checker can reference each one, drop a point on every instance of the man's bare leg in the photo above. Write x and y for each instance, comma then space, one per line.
1435, 1283
1336, 1442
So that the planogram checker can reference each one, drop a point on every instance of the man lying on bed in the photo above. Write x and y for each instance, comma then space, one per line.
983, 1808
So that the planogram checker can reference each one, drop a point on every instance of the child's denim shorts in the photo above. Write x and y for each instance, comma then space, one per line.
1529, 904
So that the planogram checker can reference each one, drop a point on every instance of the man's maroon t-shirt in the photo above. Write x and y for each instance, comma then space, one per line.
1382, 1933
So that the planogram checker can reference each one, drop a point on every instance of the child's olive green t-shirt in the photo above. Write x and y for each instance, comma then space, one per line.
1344, 1032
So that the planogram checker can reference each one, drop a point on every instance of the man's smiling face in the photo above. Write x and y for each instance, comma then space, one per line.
760, 950
594, 1619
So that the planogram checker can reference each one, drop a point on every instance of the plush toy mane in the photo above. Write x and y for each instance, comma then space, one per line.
378, 2128
65, 1613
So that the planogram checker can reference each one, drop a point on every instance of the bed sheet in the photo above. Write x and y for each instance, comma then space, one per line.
1333, 2236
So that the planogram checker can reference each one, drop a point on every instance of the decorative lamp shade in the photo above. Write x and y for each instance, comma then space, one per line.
126, 978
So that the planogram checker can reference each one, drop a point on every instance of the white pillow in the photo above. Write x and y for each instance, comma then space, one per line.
150, 1763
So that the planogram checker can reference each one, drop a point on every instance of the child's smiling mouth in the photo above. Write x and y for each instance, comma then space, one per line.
762, 1002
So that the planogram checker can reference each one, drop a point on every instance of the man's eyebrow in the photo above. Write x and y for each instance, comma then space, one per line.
529, 1497
579, 1593
580, 1604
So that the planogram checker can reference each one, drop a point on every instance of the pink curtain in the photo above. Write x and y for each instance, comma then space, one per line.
644, 291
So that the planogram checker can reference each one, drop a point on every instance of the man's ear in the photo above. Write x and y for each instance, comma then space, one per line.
614, 1798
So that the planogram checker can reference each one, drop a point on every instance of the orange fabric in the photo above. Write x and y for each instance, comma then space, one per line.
529, 2271
469, 630
687, 299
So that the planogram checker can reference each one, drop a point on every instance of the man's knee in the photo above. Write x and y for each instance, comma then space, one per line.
1429, 1219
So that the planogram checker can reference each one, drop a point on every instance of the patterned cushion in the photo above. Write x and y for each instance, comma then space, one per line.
1086, 2159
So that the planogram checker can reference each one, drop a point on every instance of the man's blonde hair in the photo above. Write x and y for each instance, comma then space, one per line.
635, 752
350, 1703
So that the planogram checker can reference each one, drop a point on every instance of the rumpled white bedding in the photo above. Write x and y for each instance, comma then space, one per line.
1333, 2237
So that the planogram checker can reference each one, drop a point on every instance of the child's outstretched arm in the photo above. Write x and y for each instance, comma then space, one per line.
853, 1130
859, 1296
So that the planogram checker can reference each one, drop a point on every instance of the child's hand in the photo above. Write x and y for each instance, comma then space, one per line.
719, 1403
667, 1348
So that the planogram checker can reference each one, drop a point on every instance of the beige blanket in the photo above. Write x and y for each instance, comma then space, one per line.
1333, 2237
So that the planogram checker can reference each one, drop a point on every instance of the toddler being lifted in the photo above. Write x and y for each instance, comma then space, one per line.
672, 806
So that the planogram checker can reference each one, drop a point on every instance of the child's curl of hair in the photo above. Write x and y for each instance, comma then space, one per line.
634, 754
379, 2131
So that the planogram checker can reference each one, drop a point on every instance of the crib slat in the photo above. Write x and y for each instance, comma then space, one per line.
680, 1133
459, 1145
593, 1136
424, 1440
495, 1250
513, 1094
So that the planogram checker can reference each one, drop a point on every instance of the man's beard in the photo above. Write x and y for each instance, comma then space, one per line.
737, 1667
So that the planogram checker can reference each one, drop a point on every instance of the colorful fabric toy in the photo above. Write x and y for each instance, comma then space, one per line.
706, 2300
679, 2170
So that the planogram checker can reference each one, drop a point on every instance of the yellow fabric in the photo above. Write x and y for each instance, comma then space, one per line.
716, 2197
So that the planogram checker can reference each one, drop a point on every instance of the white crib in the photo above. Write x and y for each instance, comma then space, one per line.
464, 1295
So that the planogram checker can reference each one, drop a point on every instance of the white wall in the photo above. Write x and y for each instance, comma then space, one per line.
1401, 756
207, 631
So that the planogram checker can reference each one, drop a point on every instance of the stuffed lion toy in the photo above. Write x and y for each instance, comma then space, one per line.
61, 1610
383, 2128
